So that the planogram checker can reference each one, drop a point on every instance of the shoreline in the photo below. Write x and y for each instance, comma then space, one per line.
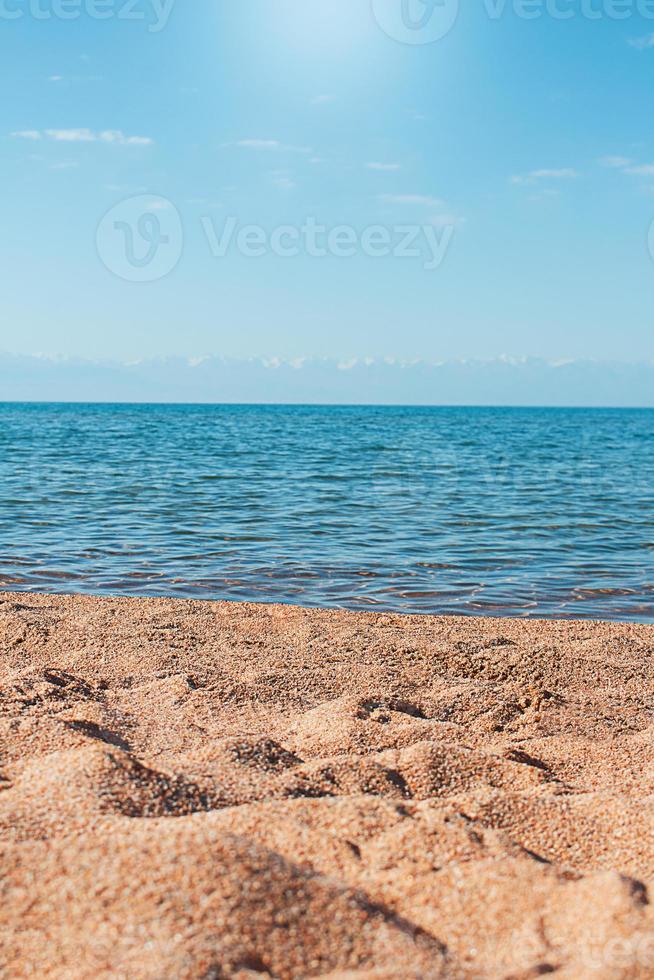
194, 788
373, 611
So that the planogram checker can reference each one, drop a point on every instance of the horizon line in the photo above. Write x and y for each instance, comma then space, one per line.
270, 404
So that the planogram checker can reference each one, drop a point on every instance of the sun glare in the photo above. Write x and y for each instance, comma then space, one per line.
321, 25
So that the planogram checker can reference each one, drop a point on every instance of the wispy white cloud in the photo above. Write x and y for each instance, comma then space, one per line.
204, 202
56, 78
89, 136
562, 173
446, 221
423, 200
643, 42
71, 135
252, 144
434, 208
628, 166
84, 136
615, 162
388, 167
271, 145
545, 193
158, 205
111, 137
641, 170
125, 189
323, 99
283, 180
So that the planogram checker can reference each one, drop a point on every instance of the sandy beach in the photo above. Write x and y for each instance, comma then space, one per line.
205, 790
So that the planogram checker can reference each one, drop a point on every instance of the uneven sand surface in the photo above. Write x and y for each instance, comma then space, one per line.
205, 790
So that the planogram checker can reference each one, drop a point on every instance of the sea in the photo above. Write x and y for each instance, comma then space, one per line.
466, 511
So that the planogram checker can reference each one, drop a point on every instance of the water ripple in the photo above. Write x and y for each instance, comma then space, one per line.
480, 511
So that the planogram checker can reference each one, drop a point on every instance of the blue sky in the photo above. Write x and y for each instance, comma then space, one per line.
524, 145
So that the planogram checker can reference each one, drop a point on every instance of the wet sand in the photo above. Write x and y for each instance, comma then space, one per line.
206, 790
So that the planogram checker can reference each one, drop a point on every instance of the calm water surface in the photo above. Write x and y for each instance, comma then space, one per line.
493, 511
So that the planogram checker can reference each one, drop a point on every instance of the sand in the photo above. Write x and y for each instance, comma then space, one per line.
205, 790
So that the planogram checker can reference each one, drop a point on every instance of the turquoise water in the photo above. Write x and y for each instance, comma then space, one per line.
455, 510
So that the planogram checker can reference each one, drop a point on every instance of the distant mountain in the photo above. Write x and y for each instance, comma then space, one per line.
502, 381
